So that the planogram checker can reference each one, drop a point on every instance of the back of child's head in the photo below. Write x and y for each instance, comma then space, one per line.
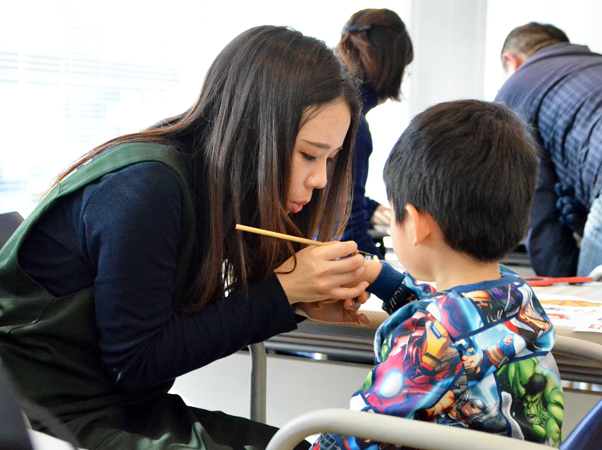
472, 166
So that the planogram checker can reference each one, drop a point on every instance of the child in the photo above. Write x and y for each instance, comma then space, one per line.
475, 354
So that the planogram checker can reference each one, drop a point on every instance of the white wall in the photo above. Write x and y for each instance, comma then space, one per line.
449, 55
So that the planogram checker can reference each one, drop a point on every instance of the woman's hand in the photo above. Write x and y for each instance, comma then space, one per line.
381, 216
322, 273
338, 311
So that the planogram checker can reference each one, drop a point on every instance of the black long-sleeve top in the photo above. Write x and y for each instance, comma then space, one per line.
121, 235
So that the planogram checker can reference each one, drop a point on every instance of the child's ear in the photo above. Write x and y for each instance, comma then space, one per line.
421, 224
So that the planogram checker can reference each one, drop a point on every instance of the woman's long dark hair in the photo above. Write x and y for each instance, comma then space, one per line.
238, 140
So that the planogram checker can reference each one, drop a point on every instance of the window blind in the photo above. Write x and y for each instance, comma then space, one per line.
68, 97
449, 48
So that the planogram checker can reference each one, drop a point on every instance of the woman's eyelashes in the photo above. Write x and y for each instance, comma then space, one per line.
312, 158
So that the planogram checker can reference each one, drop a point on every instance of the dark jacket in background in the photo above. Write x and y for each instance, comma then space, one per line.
362, 207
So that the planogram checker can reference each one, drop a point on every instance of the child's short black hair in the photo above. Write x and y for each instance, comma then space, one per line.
472, 165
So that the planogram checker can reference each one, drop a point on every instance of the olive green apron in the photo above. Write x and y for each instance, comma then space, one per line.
50, 344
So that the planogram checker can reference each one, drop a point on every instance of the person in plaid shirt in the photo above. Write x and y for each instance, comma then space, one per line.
556, 87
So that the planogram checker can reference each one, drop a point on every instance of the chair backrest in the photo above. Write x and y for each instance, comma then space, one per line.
588, 434
397, 430
15, 428
425, 435
9, 222
13, 432
578, 348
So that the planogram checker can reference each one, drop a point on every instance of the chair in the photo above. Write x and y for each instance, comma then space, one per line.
9, 222
425, 435
588, 434
15, 428
385, 428
13, 423
258, 382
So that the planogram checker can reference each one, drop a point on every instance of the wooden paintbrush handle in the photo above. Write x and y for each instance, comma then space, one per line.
286, 237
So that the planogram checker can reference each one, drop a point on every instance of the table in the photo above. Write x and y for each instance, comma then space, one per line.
352, 343
570, 368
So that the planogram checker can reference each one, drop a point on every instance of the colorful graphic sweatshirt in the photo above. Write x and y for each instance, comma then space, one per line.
475, 356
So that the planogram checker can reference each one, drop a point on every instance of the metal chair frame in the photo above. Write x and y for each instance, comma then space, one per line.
426, 435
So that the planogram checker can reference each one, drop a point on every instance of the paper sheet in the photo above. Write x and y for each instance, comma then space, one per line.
569, 311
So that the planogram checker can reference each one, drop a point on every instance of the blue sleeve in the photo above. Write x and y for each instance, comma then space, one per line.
133, 245
387, 282
397, 289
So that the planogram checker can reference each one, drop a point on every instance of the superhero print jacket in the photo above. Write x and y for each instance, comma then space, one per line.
476, 356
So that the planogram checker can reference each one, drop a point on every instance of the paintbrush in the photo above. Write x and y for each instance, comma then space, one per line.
288, 237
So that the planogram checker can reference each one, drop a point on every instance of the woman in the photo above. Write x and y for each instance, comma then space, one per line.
376, 48
130, 272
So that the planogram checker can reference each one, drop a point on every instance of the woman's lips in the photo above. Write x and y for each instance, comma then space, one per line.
296, 207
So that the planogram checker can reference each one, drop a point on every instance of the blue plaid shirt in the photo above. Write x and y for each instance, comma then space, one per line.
559, 92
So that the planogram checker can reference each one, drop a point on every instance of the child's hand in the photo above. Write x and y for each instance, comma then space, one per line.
322, 273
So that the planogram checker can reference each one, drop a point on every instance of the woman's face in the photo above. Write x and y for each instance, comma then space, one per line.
318, 142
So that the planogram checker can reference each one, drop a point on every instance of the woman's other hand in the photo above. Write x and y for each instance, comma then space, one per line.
335, 311
381, 216
327, 272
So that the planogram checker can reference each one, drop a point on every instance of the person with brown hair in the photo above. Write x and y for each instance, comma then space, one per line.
376, 47
130, 272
